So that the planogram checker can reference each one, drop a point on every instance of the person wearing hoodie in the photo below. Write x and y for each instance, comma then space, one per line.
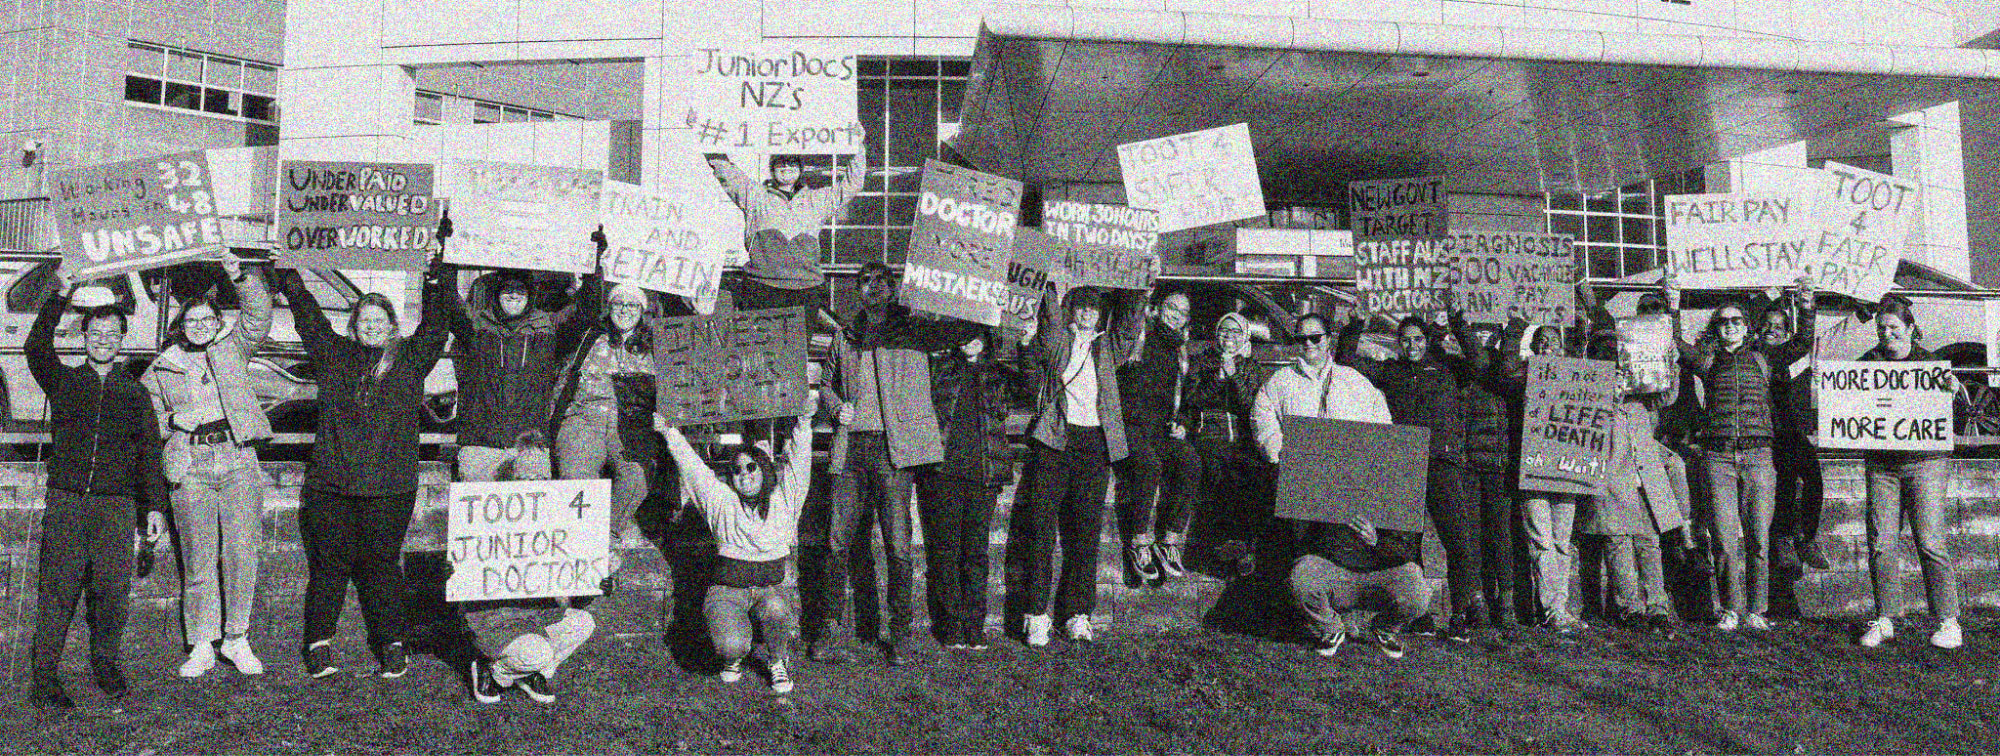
508, 355
1490, 473
1158, 483
1909, 487
201, 394
103, 479
782, 217
1423, 387
955, 498
361, 481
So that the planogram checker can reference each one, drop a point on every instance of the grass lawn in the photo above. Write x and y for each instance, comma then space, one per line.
1803, 688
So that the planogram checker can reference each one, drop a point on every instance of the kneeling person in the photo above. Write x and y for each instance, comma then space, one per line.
1351, 565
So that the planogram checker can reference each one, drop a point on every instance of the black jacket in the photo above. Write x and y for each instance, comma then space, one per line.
1208, 391
104, 438
366, 439
508, 367
972, 403
1149, 384
1340, 545
1422, 392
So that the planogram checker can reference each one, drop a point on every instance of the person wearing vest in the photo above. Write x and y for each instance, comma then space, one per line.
1238, 481
201, 393
1078, 432
1735, 438
888, 427
1158, 483
103, 479
1909, 487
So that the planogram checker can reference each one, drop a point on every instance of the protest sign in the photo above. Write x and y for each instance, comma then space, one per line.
527, 539
1499, 275
521, 216
736, 365
1034, 270
961, 243
671, 241
1107, 267
1566, 438
1646, 354
1864, 224
370, 216
1335, 470
1196, 179
116, 218
1750, 239
1400, 277
1410, 207
1127, 228
1898, 406
776, 98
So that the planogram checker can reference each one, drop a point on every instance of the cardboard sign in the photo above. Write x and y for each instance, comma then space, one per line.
961, 243
1758, 239
521, 216
139, 214
671, 241
1033, 271
1334, 470
368, 216
1196, 179
1400, 277
1864, 224
1566, 438
527, 539
1646, 354
731, 366
1499, 275
795, 99
1127, 228
1899, 406
1107, 267
1411, 207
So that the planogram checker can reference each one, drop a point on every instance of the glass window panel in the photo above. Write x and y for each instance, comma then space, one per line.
222, 102
145, 59
1603, 262
183, 65
897, 246
868, 99
1602, 229
958, 68
865, 211
1641, 259
854, 246
1565, 202
224, 73
514, 115
541, 116
430, 107
1600, 204
912, 121
1636, 204
873, 67
260, 108
260, 78
1566, 224
485, 112
908, 67
907, 181
951, 97
902, 209
1638, 230
186, 96
142, 89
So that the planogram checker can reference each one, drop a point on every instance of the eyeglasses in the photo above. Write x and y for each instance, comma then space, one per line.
102, 336
1309, 338
210, 320
627, 307
746, 468
1736, 321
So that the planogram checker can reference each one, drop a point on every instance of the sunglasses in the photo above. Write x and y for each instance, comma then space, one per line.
1731, 321
1309, 338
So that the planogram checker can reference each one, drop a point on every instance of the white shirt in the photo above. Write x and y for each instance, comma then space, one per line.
1080, 381
1334, 392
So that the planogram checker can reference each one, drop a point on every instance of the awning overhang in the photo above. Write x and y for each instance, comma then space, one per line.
1054, 90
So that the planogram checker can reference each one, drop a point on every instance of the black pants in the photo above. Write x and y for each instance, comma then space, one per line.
958, 526
360, 540
1457, 518
1500, 531
871, 484
1067, 502
1241, 486
1801, 489
86, 542
1157, 487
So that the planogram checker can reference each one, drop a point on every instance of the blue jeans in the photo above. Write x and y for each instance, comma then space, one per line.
1912, 490
730, 611
873, 482
1744, 485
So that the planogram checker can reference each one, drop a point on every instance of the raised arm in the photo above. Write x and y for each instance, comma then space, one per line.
41, 345
796, 474
1129, 333
694, 470
458, 317
849, 183
253, 326
427, 343
1805, 327
314, 331
734, 181
1347, 351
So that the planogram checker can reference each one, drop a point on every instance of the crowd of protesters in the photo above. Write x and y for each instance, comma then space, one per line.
1713, 470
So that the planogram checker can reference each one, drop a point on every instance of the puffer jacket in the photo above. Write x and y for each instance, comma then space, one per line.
1151, 382
1489, 439
1420, 392
637, 395
782, 228
1737, 384
1209, 391
226, 359
972, 402
508, 367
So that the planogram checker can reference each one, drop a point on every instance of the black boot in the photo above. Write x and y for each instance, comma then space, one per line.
109, 677
48, 693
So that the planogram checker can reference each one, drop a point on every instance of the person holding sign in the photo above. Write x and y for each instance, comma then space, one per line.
604, 404
1639, 506
1735, 437
755, 518
103, 480
1339, 564
1313, 386
1078, 432
361, 482
782, 217
509, 353
1801, 491
1908, 486
1422, 386
201, 393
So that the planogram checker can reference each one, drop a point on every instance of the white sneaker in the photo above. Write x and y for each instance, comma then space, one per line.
731, 672
1756, 621
1880, 629
781, 678
1078, 629
237, 651
1038, 629
199, 661
1948, 634
1728, 621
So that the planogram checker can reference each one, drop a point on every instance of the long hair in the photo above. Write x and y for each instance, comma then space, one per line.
389, 349
761, 500
1900, 308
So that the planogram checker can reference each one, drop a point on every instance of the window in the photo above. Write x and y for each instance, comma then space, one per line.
910, 106
432, 107
200, 82
1621, 232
